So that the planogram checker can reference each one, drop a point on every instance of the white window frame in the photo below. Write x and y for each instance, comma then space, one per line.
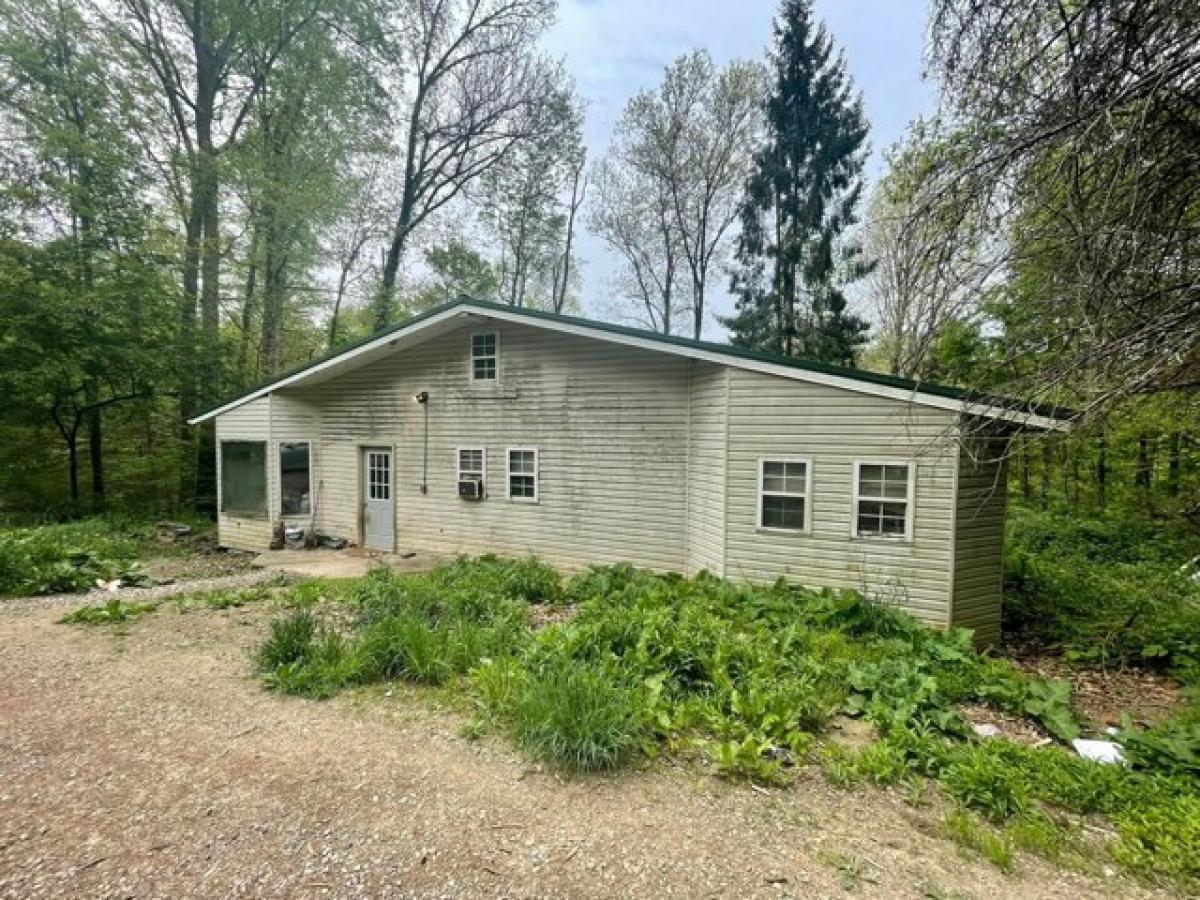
509, 473
471, 357
909, 500
806, 528
460, 471
279, 461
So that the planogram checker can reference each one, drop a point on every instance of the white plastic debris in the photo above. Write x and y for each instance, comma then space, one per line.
985, 730
1099, 751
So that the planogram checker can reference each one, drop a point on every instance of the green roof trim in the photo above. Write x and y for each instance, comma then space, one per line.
728, 350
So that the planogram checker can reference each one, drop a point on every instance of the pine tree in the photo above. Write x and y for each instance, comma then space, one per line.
794, 257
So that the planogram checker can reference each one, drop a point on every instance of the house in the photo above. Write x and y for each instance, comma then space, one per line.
482, 427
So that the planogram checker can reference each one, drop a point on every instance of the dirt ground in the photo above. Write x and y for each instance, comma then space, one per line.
150, 763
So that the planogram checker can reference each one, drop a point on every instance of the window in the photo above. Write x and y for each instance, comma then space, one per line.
484, 356
379, 475
244, 478
883, 499
294, 479
471, 462
783, 494
523, 475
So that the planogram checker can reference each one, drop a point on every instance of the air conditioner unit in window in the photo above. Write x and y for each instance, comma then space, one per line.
470, 489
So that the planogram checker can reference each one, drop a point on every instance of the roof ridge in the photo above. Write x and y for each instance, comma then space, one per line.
727, 350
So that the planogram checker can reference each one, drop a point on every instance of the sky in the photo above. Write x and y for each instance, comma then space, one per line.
614, 48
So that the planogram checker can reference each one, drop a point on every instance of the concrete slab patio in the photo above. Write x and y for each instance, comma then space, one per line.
349, 563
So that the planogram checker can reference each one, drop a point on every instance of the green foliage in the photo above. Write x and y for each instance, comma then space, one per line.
980, 781
290, 641
1172, 746
748, 678
114, 612
964, 828
794, 252
1110, 591
422, 628
580, 717
1162, 838
69, 557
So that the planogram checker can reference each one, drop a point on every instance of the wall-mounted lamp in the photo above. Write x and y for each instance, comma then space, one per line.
422, 397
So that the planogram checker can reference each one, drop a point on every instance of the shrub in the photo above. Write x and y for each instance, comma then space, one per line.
1108, 590
580, 717
1172, 746
980, 781
1163, 838
69, 557
290, 642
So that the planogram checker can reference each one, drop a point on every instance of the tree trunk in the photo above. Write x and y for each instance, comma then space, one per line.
73, 463
95, 444
1173, 443
207, 200
1026, 470
243, 361
1102, 471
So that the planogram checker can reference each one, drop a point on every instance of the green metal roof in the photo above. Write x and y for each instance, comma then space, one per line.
727, 350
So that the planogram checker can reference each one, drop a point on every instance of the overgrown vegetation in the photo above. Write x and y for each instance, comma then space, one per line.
747, 680
70, 556
1112, 591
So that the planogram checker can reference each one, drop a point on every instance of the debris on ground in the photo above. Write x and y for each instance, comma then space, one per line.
1099, 751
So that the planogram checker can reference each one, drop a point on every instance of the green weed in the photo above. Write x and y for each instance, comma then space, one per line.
113, 612
968, 831
579, 717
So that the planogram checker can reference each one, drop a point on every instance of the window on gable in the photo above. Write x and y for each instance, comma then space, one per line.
783, 494
484, 356
883, 500
294, 479
523, 475
244, 478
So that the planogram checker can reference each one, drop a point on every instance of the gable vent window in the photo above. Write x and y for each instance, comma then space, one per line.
523, 475
484, 356
783, 494
883, 499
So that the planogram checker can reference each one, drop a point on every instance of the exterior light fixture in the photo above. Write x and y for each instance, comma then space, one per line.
421, 397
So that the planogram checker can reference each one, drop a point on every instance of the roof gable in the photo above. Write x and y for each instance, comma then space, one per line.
450, 315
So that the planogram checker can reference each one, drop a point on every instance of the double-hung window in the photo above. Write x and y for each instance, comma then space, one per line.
485, 356
783, 494
883, 499
471, 463
523, 474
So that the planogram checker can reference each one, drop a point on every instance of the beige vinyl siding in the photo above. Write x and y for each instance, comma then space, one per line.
771, 416
610, 424
979, 538
250, 422
708, 407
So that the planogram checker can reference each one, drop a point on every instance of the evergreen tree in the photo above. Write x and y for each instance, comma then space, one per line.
794, 257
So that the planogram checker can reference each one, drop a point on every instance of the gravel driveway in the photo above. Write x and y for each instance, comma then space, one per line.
152, 764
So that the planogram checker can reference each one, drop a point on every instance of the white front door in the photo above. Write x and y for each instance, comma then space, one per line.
378, 507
